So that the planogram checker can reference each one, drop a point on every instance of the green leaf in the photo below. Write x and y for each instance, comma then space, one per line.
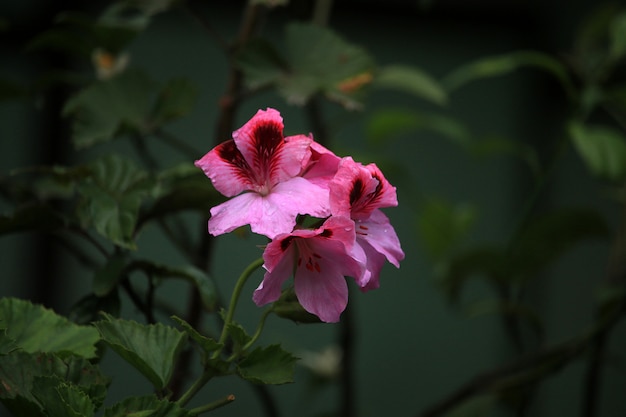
145, 406
151, 349
88, 308
602, 149
102, 109
260, 63
270, 365
238, 335
19, 371
618, 36
411, 80
36, 329
112, 197
321, 61
548, 236
106, 278
207, 344
7, 344
175, 100
386, 123
61, 399
494, 66
443, 225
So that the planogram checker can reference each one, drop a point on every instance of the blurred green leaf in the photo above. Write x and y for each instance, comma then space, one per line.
175, 100
106, 278
37, 329
499, 307
503, 64
618, 36
411, 80
547, 237
503, 146
270, 365
111, 198
102, 109
203, 283
89, 308
261, 63
288, 307
602, 149
475, 406
443, 225
134, 14
384, 124
151, 349
183, 187
33, 216
145, 406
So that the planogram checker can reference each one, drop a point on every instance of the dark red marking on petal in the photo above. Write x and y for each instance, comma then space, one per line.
285, 243
326, 233
229, 153
267, 139
357, 191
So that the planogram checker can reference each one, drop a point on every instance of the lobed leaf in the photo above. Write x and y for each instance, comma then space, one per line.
270, 365
411, 80
36, 329
151, 349
145, 406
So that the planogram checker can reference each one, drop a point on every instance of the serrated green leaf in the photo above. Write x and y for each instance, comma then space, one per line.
175, 100
442, 225
207, 344
106, 278
411, 80
151, 349
238, 335
602, 149
102, 109
111, 198
7, 344
145, 406
270, 365
61, 399
499, 65
37, 329
19, 370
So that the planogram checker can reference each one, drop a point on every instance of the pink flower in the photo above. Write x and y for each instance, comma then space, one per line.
261, 170
359, 192
319, 260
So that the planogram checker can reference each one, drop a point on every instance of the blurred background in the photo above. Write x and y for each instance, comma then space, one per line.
411, 344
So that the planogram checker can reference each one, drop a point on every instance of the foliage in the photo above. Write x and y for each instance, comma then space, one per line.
98, 206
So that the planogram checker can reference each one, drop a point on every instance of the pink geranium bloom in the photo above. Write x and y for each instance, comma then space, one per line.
262, 170
318, 260
359, 192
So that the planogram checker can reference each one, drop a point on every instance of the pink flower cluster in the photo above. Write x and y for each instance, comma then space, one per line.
274, 181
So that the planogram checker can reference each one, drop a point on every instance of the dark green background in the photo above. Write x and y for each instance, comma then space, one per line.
411, 347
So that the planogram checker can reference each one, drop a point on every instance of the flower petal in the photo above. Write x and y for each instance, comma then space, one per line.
380, 234
358, 190
228, 170
279, 254
325, 295
272, 158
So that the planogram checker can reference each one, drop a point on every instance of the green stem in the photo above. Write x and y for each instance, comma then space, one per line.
256, 334
233, 301
212, 406
208, 372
